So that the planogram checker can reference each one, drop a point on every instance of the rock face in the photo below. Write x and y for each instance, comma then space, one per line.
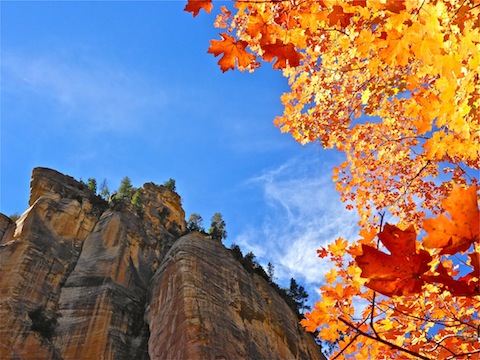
205, 305
84, 280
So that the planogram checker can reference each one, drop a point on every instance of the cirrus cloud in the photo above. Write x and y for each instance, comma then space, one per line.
304, 212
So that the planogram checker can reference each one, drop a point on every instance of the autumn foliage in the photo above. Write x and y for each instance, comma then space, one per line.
395, 86
407, 268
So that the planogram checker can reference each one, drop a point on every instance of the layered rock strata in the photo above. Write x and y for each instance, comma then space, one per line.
205, 305
82, 279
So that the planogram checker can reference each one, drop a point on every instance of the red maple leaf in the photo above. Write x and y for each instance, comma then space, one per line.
194, 6
362, 3
467, 285
471, 280
285, 54
337, 16
395, 6
322, 252
397, 273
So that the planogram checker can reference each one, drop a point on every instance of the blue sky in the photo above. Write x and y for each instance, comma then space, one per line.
112, 89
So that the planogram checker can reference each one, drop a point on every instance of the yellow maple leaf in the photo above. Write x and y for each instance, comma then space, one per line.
339, 247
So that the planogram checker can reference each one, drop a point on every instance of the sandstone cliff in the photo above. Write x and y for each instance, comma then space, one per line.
82, 280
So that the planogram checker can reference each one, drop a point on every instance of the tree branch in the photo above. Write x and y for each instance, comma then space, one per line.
350, 342
372, 313
393, 346
464, 354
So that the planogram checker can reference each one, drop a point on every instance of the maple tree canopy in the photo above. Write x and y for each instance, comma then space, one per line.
395, 85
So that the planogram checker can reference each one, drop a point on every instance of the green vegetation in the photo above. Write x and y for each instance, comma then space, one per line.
217, 228
92, 185
104, 191
195, 223
126, 193
298, 295
270, 272
126, 190
295, 296
137, 201
15, 216
170, 184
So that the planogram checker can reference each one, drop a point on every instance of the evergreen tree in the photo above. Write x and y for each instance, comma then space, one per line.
92, 185
104, 191
250, 257
15, 216
194, 223
137, 201
270, 272
126, 190
170, 184
252, 264
217, 228
237, 252
293, 289
298, 294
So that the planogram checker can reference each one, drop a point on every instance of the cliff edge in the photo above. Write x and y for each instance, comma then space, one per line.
81, 279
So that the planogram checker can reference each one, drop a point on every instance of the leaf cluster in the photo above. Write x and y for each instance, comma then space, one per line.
417, 299
394, 85
409, 266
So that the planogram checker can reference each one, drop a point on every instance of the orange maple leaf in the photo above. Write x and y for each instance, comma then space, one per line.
397, 273
233, 52
458, 232
194, 6
285, 54
309, 324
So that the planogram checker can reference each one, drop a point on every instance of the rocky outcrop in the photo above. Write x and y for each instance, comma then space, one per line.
37, 254
205, 305
84, 280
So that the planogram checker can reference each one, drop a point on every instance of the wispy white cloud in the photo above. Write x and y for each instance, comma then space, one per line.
103, 95
304, 213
